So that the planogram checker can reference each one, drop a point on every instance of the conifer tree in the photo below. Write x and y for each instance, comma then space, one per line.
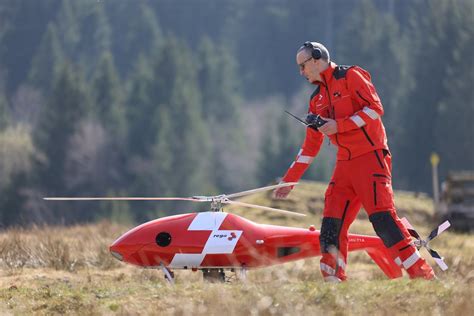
219, 85
108, 98
59, 120
94, 33
175, 86
140, 109
46, 60
435, 96
68, 28
141, 35
452, 130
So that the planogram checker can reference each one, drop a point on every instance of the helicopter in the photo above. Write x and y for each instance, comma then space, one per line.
215, 241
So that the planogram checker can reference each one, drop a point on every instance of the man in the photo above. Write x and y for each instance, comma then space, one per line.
346, 99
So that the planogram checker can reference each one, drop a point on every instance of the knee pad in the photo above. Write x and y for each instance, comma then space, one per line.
386, 228
329, 235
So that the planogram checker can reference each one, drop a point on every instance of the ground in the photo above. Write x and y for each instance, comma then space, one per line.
58, 270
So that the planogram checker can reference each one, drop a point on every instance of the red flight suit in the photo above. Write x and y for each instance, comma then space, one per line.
362, 175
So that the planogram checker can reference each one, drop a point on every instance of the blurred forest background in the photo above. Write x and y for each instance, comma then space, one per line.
186, 97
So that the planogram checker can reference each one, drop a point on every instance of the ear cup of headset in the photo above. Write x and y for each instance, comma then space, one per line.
315, 51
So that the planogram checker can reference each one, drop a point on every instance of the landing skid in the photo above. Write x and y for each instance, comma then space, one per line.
169, 275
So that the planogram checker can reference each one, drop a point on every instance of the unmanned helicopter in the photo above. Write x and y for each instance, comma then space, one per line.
215, 241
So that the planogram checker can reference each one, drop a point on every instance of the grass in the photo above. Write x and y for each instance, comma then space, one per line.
68, 270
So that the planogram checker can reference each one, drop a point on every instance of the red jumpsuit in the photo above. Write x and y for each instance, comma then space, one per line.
362, 175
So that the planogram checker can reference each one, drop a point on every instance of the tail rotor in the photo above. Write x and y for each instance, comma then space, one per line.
419, 242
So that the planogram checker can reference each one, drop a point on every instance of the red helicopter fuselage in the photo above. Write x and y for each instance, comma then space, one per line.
223, 240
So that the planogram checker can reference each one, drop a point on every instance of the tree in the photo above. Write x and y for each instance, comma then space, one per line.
46, 60
25, 23
453, 127
94, 33
140, 35
59, 120
169, 141
219, 85
16, 155
108, 98
441, 54
140, 109
175, 87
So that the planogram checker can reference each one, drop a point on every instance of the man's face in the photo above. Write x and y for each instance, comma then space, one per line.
310, 68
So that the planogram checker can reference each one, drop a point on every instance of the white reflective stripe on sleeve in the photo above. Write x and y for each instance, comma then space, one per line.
305, 159
398, 261
357, 120
332, 279
299, 152
325, 268
411, 260
371, 113
292, 164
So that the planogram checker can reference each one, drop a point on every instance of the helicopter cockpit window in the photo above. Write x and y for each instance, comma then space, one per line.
163, 239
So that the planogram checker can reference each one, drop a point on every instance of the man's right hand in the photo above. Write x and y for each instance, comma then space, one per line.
282, 192
314, 121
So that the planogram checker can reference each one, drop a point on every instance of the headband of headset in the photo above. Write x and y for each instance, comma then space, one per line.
315, 51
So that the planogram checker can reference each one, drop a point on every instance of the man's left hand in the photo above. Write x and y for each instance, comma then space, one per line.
329, 128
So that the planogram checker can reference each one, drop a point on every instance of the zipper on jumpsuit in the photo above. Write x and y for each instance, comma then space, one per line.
334, 116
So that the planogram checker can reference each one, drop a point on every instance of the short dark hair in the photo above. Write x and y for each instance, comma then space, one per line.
324, 51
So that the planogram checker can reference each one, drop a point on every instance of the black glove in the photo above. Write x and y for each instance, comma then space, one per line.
314, 121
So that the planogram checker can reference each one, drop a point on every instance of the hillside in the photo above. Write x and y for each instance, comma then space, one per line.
57, 270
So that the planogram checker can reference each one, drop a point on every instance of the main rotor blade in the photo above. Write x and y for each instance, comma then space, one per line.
271, 187
266, 208
122, 199
441, 228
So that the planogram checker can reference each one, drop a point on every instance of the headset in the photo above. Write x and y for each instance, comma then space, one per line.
315, 51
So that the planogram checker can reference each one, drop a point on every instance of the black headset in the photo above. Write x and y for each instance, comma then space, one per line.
315, 51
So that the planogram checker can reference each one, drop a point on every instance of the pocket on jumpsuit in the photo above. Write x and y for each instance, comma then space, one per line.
328, 193
329, 190
382, 192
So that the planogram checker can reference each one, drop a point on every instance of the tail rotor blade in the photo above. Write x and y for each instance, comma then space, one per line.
436, 232
266, 208
410, 228
438, 259
271, 187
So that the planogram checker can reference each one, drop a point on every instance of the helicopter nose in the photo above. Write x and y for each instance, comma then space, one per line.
123, 249
127, 246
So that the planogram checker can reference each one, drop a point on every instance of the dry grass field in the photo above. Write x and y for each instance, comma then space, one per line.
68, 270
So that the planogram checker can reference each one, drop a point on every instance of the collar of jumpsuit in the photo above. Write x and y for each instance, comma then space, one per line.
326, 74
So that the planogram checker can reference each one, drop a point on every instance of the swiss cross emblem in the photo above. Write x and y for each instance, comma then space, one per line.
232, 236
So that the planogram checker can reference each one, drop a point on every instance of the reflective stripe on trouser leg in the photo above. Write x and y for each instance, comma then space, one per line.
333, 264
395, 238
